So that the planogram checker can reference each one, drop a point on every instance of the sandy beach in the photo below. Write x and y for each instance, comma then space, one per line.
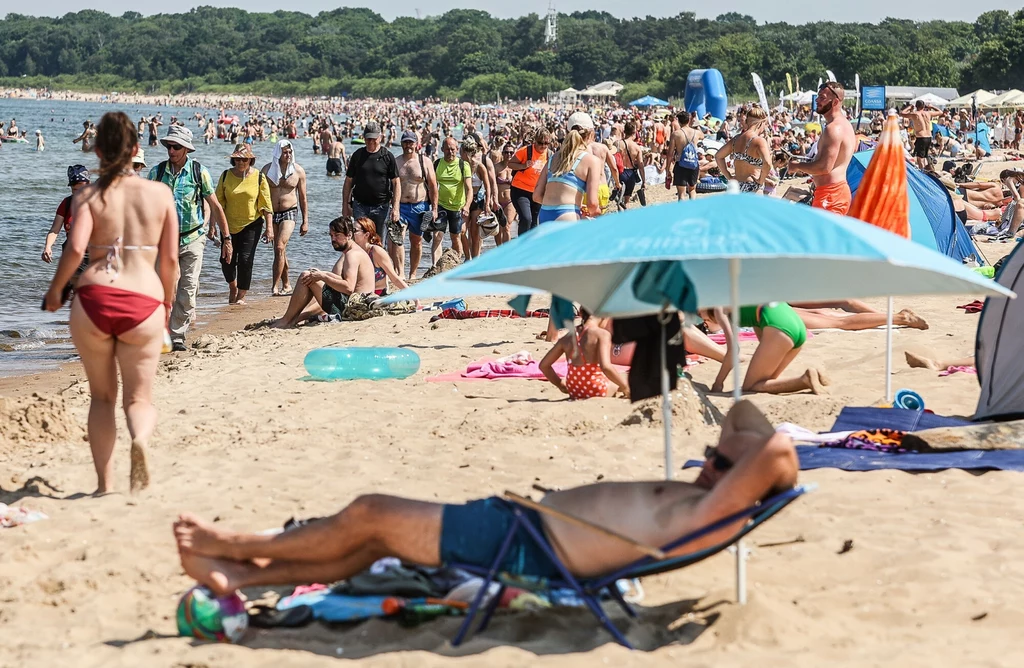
245, 439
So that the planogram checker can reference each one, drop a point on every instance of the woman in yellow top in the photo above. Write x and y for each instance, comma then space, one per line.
244, 193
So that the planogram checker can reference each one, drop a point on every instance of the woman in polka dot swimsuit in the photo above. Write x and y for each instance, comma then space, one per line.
588, 351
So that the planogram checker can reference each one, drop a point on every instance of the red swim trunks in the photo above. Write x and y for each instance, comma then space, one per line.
834, 197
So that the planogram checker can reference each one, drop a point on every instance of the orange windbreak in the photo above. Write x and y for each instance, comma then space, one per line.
882, 198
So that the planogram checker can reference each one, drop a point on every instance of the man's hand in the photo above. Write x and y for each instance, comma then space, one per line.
465, 212
47, 256
346, 210
717, 387
310, 277
396, 214
304, 229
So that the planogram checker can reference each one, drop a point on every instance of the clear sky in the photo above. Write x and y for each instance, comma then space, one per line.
856, 10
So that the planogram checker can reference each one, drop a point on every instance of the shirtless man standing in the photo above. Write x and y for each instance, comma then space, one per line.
835, 149
352, 274
419, 195
750, 463
336, 163
287, 189
920, 116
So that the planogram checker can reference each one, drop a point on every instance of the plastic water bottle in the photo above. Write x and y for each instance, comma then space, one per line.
361, 363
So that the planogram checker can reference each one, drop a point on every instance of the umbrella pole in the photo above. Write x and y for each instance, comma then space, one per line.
737, 394
888, 352
666, 399
734, 318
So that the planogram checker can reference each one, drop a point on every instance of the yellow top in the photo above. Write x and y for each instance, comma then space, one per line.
244, 200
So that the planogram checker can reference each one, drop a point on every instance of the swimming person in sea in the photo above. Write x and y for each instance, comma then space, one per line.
123, 299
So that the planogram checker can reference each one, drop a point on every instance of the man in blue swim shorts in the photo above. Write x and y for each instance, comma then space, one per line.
749, 463
419, 196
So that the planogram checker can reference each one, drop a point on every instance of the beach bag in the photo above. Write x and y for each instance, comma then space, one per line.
689, 158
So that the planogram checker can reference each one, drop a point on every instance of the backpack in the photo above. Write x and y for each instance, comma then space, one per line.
197, 177
529, 158
689, 158
462, 166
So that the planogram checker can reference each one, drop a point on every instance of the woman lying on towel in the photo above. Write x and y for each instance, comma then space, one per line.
780, 335
588, 351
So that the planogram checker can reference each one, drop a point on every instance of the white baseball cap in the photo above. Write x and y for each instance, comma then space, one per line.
580, 119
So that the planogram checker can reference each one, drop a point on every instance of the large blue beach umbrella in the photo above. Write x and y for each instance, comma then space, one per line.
649, 101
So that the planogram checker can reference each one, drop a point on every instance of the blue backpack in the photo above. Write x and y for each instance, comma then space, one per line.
689, 158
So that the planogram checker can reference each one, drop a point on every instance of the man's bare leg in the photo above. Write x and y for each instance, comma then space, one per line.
415, 253
301, 296
333, 548
921, 362
859, 321
848, 305
282, 233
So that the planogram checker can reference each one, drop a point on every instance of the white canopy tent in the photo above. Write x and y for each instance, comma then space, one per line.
932, 100
981, 94
1011, 98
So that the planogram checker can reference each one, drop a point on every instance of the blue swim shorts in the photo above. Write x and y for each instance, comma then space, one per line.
473, 533
411, 214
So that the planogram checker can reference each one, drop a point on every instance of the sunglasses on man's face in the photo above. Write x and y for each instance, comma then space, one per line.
718, 461
175, 147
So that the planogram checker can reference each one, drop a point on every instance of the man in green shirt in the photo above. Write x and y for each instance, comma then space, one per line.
191, 186
454, 185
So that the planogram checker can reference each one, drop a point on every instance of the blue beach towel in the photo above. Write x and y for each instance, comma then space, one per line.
845, 459
853, 418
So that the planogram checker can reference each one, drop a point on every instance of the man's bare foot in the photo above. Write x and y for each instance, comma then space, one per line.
910, 319
286, 290
139, 475
280, 323
275, 293
220, 575
920, 361
241, 302
813, 381
196, 536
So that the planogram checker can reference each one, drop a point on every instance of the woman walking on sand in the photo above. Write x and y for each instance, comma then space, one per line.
244, 192
122, 304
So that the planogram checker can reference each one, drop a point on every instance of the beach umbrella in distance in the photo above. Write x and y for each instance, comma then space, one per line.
649, 101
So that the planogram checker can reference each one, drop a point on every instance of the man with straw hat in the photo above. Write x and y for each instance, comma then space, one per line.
191, 185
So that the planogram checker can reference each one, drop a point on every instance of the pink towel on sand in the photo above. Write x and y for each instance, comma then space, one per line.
486, 369
955, 369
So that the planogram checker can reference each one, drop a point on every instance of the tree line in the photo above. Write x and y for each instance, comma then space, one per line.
471, 55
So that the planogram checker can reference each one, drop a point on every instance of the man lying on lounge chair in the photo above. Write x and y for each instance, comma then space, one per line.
750, 463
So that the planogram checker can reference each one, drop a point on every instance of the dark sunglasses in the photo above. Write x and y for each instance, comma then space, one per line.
174, 147
542, 143
719, 462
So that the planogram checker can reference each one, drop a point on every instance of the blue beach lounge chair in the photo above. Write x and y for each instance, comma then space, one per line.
590, 589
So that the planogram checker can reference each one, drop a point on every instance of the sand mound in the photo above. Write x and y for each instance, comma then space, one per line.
36, 419
690, 410
449, 260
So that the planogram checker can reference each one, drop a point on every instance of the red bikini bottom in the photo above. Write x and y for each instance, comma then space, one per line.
115, 311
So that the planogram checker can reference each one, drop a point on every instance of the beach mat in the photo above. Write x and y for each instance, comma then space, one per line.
846, 459
854, 418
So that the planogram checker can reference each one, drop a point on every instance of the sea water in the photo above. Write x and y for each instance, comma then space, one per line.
32, 184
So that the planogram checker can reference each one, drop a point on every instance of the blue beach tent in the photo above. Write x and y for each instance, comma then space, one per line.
933, 222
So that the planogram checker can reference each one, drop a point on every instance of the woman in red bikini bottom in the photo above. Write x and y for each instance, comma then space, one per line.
122, 303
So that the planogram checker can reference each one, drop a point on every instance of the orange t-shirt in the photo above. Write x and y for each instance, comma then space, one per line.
526, 179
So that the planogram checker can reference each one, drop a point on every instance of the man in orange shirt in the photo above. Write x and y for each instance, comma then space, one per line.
527, 165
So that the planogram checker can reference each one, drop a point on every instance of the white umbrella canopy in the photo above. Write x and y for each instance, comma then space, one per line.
930, 99
981, 95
